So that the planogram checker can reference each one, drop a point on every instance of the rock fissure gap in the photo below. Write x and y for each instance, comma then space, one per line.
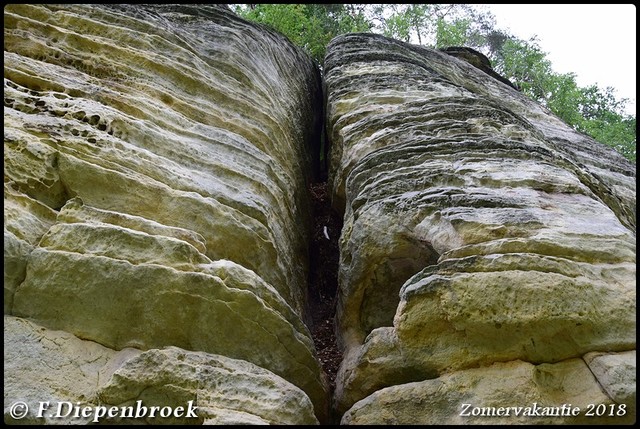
324, 257
324, 252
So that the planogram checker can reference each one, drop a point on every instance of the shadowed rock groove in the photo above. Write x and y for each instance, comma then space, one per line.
324, 258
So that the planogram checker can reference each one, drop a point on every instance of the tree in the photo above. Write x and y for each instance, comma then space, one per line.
525, 64
310, 26
604, 119
405, 20
431, 24
590, 110
452, 34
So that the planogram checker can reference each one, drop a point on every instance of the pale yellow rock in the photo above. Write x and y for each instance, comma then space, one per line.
475, 396
378, 256
478, 228
469, 312
24, 217
139, 240
379, 363
16, 252
123, 244
222, 387
184, 128
469, 317
26, 220
153, 306
389, 227
30, 164
43, 365
237, 277
232, 417
616, 373
75, 211
156, 169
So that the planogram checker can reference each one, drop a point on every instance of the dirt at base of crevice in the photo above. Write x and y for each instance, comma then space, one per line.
324, 257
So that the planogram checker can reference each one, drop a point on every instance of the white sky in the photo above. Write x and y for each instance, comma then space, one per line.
596, 42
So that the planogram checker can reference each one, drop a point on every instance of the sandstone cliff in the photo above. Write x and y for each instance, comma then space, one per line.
156, 228
482, 236
156, 167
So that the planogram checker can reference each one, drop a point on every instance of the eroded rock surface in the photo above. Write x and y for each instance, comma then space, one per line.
156, 169
47, 366
156, 218
513, 392
478, 228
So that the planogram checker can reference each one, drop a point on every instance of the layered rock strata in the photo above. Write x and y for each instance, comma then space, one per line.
485, 243
156, 166
513, 392
60, 368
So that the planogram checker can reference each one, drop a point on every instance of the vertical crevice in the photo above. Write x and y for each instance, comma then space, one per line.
324, 252
324, 257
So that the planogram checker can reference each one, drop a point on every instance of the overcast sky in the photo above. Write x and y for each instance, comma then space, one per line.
596, 42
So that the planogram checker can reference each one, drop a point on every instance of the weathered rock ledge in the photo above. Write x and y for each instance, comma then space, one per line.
156, 169
479, 231
156, 223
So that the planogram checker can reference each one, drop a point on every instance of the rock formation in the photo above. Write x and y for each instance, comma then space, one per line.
156, 233
156, 169
478, 60
482, 236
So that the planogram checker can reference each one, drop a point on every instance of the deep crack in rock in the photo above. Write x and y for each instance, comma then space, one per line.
323, 278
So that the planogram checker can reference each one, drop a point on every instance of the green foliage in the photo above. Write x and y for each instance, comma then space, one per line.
525, 65
310, 26
432, 24
603, 118
590, 110
452, 34
398, 27
406, 20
